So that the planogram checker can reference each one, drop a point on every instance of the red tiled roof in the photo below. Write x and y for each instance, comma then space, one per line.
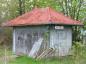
40, 16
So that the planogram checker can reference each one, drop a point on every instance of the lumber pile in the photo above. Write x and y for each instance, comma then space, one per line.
48, 52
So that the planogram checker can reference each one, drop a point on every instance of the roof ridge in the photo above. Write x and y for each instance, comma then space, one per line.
49, 14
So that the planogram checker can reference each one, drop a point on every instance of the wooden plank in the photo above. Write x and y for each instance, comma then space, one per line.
35, 48
14, 41
46, 53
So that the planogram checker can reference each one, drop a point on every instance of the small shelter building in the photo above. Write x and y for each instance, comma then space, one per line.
41, 29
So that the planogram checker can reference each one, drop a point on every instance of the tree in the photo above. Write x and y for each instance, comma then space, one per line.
72, 8
21, 7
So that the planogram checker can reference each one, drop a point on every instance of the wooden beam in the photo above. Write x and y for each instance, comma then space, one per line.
14, 43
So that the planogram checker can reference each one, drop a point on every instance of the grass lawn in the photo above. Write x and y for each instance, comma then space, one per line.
65, 60
26, 60
79, 57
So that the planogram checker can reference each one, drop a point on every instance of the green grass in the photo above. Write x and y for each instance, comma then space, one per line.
23, 60
63, 60
2, 51
78, 57
26, 60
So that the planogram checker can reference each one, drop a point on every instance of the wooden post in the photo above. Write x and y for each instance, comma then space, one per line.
14, 43
5, 59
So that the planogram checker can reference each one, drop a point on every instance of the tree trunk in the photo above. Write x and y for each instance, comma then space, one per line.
21, 7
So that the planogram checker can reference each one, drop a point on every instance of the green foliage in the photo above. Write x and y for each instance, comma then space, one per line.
8, 9
79, 53
2, 51
77, 47
75, 10
78, 57
6, 37
64, 60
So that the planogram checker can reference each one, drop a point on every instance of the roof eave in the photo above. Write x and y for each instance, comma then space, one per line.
41, 24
